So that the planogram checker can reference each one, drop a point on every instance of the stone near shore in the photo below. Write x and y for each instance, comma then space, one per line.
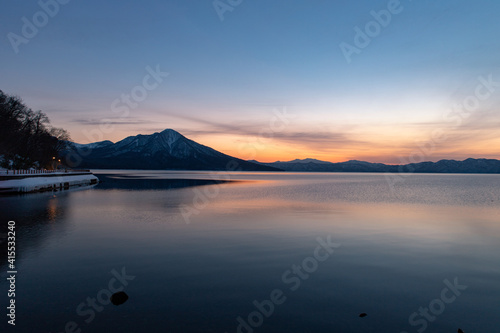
119, 298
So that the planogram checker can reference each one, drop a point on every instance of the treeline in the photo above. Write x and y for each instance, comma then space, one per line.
26, 137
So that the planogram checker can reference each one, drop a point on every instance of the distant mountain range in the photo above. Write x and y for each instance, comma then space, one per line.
444, 166
167, 150
170, 150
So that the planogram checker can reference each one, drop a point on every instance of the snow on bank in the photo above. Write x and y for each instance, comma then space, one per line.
36, 184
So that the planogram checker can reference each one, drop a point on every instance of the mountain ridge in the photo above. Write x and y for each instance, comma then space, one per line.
469, 165
170, 150
166, 150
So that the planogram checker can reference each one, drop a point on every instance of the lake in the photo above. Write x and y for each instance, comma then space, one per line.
258, 252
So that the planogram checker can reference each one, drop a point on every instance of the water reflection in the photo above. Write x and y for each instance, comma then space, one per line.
200, 277
140, 183
38, 216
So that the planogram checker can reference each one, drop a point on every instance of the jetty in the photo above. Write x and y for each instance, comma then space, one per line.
26, 181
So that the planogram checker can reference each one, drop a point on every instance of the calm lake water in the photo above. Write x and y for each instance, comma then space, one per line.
258, 252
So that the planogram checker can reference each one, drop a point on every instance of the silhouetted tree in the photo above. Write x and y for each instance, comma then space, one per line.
26, 137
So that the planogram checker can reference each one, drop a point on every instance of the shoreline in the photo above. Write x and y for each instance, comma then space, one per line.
30, 183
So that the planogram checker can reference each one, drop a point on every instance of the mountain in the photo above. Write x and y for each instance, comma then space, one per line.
313, 165
167, 150
94, 145
444, 166
170, 150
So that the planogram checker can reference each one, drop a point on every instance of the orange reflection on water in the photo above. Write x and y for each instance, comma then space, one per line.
52, 209
436, 223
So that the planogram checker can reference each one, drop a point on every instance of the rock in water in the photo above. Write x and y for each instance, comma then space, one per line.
362, 315
460, 331
119, 298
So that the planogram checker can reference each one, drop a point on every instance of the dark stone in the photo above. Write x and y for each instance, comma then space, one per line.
119, 298
362, 315
460, 331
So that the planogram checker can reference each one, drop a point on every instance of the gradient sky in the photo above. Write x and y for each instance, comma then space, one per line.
229, 78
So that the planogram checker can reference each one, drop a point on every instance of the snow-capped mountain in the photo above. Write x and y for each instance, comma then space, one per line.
94, 145
165, 150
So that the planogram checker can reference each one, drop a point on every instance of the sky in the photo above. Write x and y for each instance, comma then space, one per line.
380, 81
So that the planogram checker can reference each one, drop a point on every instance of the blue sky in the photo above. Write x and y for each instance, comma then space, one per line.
227, 77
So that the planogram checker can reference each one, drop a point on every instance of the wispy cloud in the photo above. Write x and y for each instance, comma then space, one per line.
253, 129
112, 121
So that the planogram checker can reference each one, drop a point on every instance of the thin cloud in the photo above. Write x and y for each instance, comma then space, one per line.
111, 121
305, 138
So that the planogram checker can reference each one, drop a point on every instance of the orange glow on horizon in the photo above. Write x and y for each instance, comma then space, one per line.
376, 145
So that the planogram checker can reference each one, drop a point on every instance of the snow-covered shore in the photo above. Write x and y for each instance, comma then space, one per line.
45, 182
